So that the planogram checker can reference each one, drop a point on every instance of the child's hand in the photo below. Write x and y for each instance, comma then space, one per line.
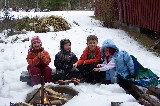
96, 69
41, 55
99, 65
75, 65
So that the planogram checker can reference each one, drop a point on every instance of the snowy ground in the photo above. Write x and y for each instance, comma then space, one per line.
13, 59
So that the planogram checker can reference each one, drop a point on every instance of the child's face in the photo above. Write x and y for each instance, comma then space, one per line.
106, 52
67, 46
36, 45
92, 44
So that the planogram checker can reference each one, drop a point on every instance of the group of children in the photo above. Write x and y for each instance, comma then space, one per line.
103, 64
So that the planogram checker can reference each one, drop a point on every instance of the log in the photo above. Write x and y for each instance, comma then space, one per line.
116, 103
131, 88
143, 97
151, 100
154, 91
25, 77
144, 102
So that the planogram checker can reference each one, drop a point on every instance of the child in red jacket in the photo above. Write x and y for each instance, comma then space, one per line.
89, 59
38, 60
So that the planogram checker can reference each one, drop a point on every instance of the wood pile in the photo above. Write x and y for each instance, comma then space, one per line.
42, 25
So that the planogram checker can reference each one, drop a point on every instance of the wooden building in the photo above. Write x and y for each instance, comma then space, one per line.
141, 13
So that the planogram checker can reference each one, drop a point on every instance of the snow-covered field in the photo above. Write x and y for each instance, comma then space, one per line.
13, 59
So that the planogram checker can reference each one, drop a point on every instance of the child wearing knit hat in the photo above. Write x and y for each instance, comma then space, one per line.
38, 60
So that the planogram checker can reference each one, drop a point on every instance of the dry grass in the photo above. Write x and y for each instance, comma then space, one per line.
146, 40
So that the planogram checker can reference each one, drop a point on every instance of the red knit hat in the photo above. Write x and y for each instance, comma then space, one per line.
36, 38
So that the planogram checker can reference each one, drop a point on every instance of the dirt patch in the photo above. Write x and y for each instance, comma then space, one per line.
150, 43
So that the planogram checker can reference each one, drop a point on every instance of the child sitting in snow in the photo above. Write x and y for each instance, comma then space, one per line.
64, 61
114, 62
89, 59
125, 67
38, 60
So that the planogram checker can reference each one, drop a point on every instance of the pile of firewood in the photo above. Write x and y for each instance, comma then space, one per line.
42, 25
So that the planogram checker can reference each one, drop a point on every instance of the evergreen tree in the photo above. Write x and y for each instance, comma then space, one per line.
56, 4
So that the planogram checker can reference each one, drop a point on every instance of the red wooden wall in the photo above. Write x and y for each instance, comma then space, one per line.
142, 13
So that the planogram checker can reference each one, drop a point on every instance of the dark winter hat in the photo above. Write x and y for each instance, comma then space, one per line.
63, 42
36, 38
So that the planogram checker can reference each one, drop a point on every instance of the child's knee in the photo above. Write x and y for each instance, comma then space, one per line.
94, 65
34, 71
48, 70
61, 76
74, 74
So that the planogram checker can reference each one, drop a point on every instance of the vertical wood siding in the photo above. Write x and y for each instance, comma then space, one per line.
142, 13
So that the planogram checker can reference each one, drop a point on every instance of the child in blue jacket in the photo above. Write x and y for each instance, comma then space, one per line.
125, 67
116, 63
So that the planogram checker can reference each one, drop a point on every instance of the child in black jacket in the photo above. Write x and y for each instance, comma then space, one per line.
64, 61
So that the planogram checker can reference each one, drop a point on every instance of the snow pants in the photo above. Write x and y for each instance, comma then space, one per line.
87, 73
67, 74
36, 74
111, 75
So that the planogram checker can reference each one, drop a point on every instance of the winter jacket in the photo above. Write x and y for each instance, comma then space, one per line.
106, 66
90, 57
33, 60
64, 60
124, 65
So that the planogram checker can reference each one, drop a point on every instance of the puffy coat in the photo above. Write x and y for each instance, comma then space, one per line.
33, 60
88, 57
123, 61
64, 60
